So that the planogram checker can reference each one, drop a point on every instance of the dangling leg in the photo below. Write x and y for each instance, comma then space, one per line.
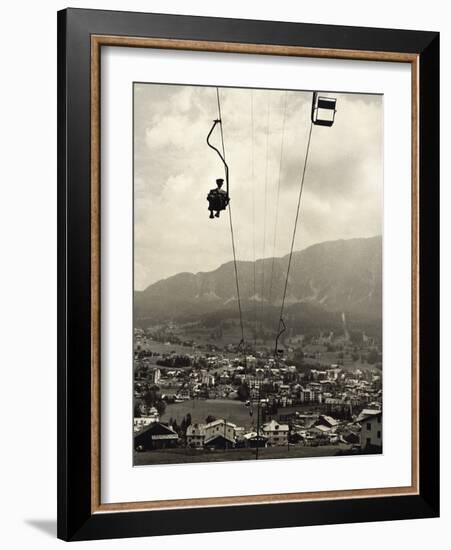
217, 214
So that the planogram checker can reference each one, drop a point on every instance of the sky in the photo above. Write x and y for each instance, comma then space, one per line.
265, 135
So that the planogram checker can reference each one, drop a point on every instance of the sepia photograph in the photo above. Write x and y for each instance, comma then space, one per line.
257, 300
248, 274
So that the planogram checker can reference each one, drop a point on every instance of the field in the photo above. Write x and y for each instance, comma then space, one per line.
164, 349
233, 411
328, 358
178, 456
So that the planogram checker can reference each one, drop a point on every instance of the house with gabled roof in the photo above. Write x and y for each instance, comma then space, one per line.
195, 435
219, 441
277, 434
252, 440
220, 427
370, 421
328, 421
219, 434
155, 436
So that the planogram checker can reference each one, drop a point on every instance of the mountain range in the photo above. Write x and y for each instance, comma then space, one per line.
326, 278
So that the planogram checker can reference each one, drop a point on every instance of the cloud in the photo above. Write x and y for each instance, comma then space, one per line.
174, 169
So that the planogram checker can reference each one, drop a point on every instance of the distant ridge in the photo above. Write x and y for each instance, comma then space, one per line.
332, 276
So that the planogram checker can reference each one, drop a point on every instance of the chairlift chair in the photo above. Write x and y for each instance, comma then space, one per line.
323, 110
217, 200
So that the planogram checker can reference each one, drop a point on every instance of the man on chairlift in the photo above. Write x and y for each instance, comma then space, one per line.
217, 199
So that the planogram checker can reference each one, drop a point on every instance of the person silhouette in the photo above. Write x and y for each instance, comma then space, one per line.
217, 199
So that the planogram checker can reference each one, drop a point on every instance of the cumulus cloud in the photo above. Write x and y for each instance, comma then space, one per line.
174, 169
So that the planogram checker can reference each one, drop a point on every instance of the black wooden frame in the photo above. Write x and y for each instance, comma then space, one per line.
75, 520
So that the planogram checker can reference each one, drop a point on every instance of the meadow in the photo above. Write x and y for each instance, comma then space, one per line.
233, 411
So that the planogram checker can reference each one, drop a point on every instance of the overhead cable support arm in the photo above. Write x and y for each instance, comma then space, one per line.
215, 122
282, 328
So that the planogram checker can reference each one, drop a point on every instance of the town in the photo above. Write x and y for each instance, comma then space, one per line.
199, 402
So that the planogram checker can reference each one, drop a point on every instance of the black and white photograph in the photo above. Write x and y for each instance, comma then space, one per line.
226, 258
257, 300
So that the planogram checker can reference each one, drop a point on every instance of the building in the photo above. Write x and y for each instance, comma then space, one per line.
251, 360
140, 422
334, 372
371, 429
156, 436
219, 434
320, 430
277, 434
219, 441
143, 421
183, 394
318, 374
207, 378
311, 394
327, 421
220, 427
252, 440
195, 435
156, 376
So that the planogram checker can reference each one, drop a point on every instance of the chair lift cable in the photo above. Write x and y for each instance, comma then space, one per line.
278, 196
241, 344
268, 119
253, 219
282, 327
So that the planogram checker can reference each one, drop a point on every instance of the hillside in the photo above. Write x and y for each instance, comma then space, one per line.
334, 276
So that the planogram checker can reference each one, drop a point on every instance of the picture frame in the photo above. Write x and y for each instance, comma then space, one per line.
81, 36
